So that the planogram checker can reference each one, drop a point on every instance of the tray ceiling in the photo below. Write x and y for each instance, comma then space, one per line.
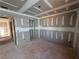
36, 7
44, 5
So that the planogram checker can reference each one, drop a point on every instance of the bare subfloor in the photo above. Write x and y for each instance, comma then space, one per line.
38, 49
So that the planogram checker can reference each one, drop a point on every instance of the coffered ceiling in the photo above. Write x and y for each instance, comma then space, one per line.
39, 7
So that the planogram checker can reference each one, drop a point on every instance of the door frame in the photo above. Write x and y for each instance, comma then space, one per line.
12, 27
13, 31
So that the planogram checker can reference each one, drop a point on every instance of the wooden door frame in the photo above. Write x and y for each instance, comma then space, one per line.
12, 28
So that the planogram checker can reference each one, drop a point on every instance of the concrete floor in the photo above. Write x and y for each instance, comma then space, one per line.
5, 40
38, 49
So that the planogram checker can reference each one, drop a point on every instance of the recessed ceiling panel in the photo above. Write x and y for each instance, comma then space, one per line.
28, 13
7, 6
34, 10
43, 5
57, 3
15, 2
12, 4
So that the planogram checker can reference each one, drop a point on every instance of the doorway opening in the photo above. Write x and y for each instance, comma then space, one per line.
7, 30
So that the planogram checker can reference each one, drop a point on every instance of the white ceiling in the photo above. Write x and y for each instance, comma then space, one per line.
37, 7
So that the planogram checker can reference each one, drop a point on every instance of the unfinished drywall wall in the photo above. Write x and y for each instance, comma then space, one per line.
33, 24
22, 30
59, 28
77, 35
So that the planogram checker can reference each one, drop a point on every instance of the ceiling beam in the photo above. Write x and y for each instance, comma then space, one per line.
14, 13
28, 4
8, 3
31, 12
59, 13
63, 6
48, 3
